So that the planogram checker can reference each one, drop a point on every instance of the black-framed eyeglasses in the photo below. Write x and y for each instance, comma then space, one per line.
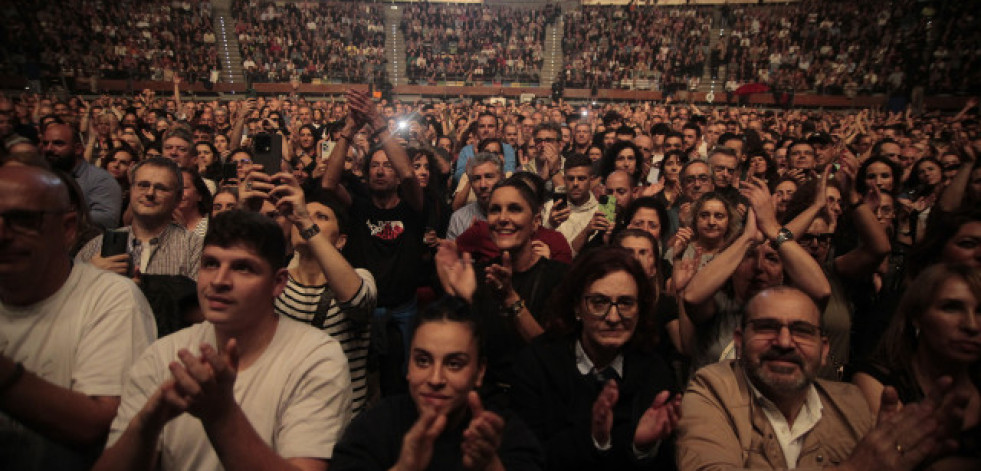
800, 331
544, 140
598, 305
950, 167
823, 238
26, 221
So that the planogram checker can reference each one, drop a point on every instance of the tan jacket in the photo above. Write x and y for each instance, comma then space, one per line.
721, 428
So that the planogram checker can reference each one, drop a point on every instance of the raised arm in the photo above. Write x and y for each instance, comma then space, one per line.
798, 265
860, 262
411, 191
341, 277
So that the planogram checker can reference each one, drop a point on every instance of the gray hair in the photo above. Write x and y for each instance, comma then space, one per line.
485, 158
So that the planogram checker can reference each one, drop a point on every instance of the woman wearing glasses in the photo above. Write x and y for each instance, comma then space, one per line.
591, 388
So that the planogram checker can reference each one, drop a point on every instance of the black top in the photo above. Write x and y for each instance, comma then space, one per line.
556, 401
373, 441
969, 441
535, 286
389, 244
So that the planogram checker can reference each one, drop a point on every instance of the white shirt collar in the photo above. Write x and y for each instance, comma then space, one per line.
791, 438
586, 366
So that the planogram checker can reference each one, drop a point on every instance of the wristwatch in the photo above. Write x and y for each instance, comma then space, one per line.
514, 309
783, 235
310, 232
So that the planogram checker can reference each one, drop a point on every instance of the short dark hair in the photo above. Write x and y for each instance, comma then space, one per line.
453, 309
251, 229
586, 269
578, 160
317, 194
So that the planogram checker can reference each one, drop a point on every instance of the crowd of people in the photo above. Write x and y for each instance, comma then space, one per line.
837, 47
340, 41
827, 47
114, 39
614, 47
474, 43
381, 284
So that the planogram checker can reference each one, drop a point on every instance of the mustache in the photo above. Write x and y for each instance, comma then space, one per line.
776, 355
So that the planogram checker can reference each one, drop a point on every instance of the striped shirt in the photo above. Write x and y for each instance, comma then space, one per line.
176, 251
347, 322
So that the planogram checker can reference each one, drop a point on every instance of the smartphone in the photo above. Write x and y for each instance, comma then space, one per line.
114, 242
560, 201
326, 148
608, 205
268, 151
229, 171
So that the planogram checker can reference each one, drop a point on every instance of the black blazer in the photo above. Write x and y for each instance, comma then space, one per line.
556, 402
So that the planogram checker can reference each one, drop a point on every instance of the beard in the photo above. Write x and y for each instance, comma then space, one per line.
783, 381
64, 163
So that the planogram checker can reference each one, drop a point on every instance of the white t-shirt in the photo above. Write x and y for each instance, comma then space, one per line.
296, 395
84, 338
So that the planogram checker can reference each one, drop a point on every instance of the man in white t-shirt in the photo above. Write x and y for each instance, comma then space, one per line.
245, 389
68, 333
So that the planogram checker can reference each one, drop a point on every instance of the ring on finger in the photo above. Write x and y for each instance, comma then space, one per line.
248, 186
899, 448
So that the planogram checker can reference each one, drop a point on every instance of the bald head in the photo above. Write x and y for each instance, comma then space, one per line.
41, 185
777, 297
37, 229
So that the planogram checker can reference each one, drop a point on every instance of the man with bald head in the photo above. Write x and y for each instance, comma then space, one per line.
767, 410
63, 148
68, 332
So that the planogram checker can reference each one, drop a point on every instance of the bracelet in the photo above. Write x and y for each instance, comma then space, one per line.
346, 137
14, 377
855, 206
379, 131
514, 309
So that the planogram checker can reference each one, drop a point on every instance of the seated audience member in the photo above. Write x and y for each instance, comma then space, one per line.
763, 256
647, 250
441, 423
61, 145
935, 332
509, 292
156, 245
549, 243
68, 332
577, 217
387, 238
195, 206
592, 389
484, 170
323, 289
767, 410
245, 389
816, 226
714, 224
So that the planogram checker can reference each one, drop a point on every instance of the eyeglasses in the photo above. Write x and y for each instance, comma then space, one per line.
145, 186
699, 178
952, 167
800, 331
26, 221
823, 239
598, 305
544, 140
